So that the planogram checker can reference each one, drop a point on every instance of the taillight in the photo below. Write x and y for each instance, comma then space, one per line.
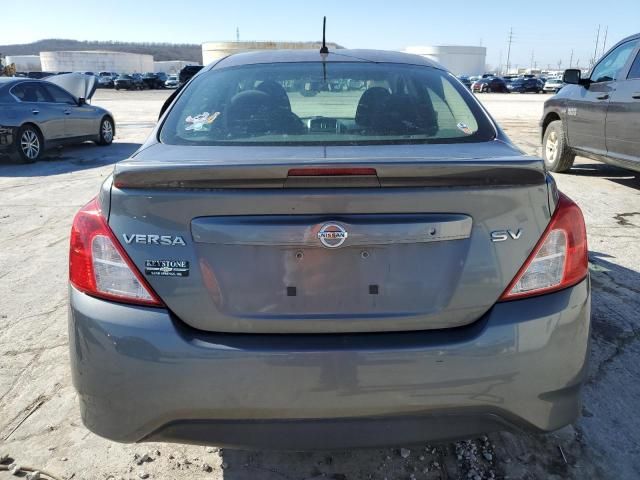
559, 260
99, 266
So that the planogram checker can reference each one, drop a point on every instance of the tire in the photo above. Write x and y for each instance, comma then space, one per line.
30, 144
106, 132
117, 88
557, 155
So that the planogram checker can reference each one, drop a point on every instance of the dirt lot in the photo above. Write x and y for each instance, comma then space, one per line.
39, 420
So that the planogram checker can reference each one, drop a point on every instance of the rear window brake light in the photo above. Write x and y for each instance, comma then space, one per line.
331, 171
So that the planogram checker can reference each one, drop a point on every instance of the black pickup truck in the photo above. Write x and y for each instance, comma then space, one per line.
597, 117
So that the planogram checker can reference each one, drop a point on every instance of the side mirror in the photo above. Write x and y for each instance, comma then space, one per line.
572, 76
82, 101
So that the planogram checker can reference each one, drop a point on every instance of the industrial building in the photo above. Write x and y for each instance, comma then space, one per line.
96, 61
24, 63
212, 51
460, 60
171, 66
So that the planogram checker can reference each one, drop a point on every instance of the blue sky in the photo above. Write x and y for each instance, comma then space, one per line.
548, 29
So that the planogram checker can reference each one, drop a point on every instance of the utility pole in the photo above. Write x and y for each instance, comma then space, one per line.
237, 34
509, 49
571, 59
532, 65
595, 51
604, 44
500, 70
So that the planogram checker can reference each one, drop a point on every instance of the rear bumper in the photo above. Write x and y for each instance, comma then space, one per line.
142, 375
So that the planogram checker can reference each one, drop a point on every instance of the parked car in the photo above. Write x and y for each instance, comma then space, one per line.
465, 81
525, 85
187, 73
171, 81
153, 80
337, 85
489, 85
553, 85
36, 115
420, 278
106, 79
355, 84
128, 82
39, 75
597, 116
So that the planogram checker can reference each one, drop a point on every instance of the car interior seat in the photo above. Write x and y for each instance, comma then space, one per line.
382, 113
255, 112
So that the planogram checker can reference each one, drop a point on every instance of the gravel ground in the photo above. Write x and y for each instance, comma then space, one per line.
40, 425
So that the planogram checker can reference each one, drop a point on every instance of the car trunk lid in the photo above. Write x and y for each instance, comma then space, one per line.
281, 240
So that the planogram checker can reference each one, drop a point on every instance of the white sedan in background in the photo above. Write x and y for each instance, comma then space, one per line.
553, 85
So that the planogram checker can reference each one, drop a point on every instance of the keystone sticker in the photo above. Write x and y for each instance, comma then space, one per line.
166, 268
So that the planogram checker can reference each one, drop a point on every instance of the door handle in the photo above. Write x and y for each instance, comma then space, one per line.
67, 112
35, 112
603, 97
636, 96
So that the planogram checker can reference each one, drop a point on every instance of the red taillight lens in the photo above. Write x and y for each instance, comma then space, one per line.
559, 260
99, 266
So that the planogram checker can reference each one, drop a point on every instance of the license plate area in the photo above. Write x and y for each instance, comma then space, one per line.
278, 265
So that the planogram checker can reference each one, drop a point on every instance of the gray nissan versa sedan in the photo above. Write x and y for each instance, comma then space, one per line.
274, 269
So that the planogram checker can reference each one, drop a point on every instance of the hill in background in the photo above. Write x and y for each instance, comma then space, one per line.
160, 51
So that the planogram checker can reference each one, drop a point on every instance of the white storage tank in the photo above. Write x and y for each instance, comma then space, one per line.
24, 63
96, 61
212, 51
459, 59
171, 66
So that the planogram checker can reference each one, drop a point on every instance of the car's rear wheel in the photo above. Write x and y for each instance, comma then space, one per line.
106, 131
30, 144
558, 156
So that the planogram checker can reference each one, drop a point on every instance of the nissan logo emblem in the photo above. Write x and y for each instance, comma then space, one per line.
332, 235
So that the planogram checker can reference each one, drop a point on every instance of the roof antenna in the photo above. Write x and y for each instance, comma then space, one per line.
324, 49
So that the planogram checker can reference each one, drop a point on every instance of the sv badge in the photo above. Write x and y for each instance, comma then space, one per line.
503, 235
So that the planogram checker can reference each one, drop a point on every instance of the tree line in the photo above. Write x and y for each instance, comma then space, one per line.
160, 51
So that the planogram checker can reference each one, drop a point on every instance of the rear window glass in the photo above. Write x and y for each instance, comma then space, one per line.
331, 103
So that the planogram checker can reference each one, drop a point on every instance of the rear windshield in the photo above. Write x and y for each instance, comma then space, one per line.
333, 103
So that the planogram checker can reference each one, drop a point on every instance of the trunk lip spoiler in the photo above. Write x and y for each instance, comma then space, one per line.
463, 173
